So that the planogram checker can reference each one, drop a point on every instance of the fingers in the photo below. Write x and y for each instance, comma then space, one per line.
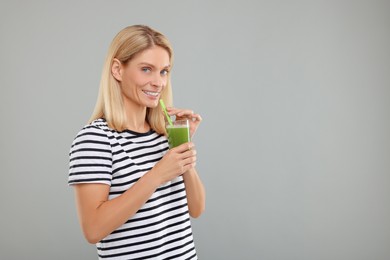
179, 112
196, 117
189, 162
184, 113
184, 147
186, 153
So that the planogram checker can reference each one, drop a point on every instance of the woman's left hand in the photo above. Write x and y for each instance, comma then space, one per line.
193, 118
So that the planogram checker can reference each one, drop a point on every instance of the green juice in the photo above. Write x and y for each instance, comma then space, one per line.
178, 135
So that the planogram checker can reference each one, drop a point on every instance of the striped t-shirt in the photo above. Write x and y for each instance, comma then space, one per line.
161, 229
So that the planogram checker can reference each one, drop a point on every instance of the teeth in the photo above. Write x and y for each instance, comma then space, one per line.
154, 94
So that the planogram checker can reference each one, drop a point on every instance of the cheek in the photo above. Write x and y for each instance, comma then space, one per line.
135, 77
165, 82
133, 84
141, 81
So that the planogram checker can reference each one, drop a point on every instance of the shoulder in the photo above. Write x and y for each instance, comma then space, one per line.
95, 132
96, 128
90, 156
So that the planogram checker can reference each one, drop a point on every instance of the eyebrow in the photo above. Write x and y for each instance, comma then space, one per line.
151, 65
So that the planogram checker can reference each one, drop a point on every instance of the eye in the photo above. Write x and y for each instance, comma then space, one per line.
146, 69
164, 72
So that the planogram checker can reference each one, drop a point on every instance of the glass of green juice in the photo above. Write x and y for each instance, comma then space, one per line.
178, 133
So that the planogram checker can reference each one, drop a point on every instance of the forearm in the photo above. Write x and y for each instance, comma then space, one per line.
100, 217
103, 219
196, 195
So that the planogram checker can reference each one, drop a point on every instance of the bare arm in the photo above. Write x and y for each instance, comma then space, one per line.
100, 216
196, 196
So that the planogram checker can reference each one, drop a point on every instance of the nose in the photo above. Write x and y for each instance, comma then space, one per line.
158, 81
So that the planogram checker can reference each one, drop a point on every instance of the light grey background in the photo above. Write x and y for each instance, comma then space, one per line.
294, 149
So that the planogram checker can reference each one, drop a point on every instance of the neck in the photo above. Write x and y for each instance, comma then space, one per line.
136, 118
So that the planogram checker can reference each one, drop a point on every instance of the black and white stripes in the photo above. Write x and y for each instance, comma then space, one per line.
161, 229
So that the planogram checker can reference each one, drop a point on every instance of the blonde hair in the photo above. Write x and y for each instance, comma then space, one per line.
126, 44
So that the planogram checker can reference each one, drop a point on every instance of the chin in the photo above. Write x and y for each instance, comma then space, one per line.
152, 104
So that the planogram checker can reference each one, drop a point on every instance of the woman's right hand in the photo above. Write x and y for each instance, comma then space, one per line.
175, 162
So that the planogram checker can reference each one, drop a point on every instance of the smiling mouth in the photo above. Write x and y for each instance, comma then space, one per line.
151, 93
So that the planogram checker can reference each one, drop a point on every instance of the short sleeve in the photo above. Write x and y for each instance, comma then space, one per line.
90, 157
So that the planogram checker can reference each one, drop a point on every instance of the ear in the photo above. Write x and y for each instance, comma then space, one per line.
116, 69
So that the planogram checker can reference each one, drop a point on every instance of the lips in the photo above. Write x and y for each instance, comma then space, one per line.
151, 93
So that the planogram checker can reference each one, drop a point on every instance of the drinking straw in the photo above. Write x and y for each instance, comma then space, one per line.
165, 112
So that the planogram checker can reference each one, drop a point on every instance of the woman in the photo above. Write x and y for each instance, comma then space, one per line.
133, 195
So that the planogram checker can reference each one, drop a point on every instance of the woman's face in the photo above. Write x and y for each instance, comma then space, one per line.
144, 77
